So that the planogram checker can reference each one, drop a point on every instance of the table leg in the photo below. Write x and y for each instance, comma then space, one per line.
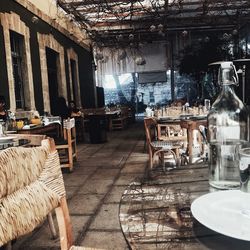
190, 144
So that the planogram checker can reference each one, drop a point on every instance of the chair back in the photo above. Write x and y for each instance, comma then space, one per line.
31, 186
69, 131
171, 132
150, 129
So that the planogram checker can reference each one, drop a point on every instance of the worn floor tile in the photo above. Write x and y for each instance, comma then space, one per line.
107, 218
84, 204
115, 195
124, 179
95, 186
105, 241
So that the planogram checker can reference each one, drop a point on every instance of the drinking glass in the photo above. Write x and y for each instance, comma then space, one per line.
207, 105
20, 124
244, 165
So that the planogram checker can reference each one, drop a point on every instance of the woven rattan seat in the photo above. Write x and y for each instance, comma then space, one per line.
31, 186
165, 144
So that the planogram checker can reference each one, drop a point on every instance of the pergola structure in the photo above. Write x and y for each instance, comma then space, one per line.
122, 21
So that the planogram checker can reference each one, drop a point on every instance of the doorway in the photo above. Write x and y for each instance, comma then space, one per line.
52, 58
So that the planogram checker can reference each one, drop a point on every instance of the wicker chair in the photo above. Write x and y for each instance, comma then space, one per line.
157, 147
31, 186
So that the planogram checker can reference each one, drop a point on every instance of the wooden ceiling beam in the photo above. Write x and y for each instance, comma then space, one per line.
174, 22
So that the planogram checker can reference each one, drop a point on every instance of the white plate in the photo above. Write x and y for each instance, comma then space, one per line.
222, 212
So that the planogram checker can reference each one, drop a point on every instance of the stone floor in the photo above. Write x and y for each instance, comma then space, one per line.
94, 190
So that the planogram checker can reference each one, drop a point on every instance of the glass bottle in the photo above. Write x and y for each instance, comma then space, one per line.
227, 131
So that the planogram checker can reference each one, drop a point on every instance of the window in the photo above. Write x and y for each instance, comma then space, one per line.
151, 97
16, 42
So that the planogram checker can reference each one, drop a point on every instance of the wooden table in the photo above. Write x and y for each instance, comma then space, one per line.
52, 129
191, 123
16, 142
105, 115
155, 213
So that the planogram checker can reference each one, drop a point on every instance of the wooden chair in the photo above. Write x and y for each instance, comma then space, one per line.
35, 172
157, 147
121, 121
172, 131
66, 146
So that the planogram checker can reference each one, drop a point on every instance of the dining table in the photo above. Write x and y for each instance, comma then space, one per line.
106, 115
188, 122
155, 212
11, 141
52, 129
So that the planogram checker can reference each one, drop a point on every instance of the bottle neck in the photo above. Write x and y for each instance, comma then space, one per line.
228, 88
228, 97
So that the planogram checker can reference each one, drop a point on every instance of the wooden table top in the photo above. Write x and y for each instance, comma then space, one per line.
15, 142
39, 128
53, 130
155, 213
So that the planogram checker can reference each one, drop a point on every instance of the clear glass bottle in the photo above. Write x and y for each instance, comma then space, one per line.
227, 131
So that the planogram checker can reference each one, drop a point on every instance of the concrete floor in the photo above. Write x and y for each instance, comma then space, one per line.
94, 190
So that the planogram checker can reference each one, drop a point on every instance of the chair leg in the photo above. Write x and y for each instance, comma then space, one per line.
70, 159
75, 152
52, 226
8, 246
64, 225
177, 153
151, 160
162, 158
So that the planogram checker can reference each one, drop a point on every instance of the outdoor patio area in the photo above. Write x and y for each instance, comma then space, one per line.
94, 189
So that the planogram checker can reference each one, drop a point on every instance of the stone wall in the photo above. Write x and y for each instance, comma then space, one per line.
38, 32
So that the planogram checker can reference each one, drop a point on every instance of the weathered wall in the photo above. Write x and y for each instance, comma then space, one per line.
86, 83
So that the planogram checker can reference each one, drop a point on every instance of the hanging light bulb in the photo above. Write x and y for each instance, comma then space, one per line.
34, 19
235, 32
152, 28
160, 27
184, 33
119, 37
207, 39
131, 37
